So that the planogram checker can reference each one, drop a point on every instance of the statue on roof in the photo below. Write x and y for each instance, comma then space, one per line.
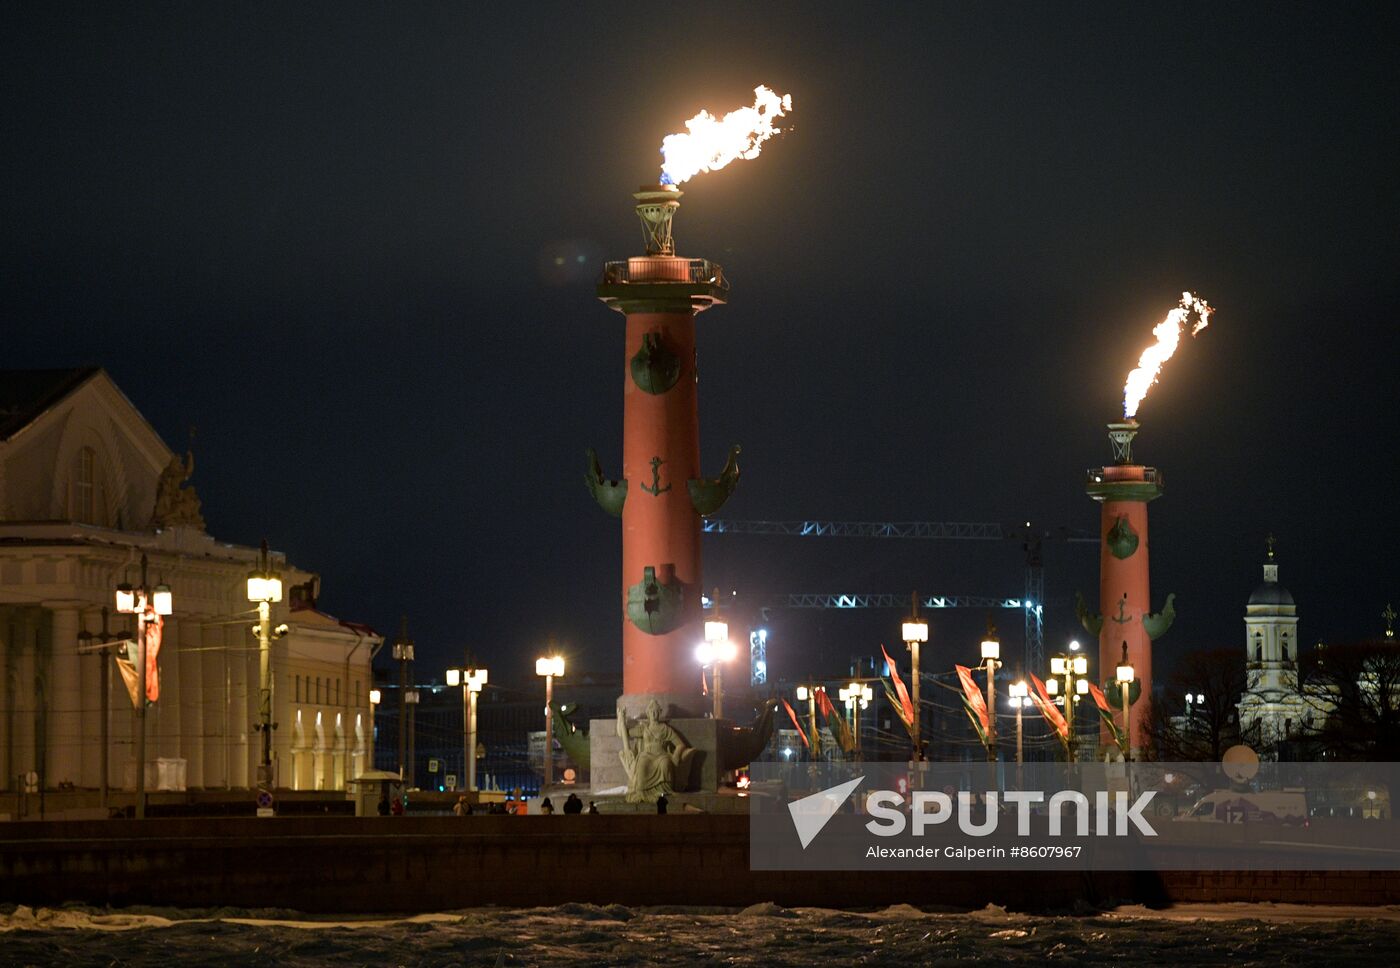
176, 504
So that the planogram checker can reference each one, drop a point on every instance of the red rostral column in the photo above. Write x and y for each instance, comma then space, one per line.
661, 496
1123, 489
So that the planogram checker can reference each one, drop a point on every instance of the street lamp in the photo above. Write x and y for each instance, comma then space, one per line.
264, 588
991, 653
1072, 667
856, 697
549, 668
149, 610
471, 680
375, 698
914, 631
403, 654
1125, 679
808, 694
714, 653
1020, 698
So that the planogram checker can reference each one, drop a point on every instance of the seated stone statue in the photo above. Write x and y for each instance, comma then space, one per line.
655, 756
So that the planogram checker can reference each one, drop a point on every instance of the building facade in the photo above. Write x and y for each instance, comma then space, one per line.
87, 488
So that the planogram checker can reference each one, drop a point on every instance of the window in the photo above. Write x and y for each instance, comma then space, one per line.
337, 692
298, 679
89, 494
318, 690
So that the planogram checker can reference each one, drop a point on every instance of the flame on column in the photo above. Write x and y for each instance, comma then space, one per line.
709, 143
1168, 336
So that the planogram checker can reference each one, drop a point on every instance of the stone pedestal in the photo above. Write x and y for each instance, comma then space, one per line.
605, 748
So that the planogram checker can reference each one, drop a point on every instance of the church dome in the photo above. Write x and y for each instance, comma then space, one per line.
1270, 593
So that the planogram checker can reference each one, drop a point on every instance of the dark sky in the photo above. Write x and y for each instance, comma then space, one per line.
326, 237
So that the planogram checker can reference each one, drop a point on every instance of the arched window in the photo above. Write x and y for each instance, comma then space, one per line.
1258, 651
88, 495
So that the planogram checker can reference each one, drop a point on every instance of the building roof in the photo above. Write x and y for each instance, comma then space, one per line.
1271, 593
26, 394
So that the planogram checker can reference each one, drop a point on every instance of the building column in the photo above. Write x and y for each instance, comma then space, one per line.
212, 662
90, 702
237, 700
191, 701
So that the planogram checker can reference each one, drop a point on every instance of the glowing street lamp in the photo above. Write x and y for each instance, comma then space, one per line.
1020, 698
914, 632
991, 653
471, 680
714, 653
808, 694
148, 606
264, 588
549, 667
375, 698
856, 697
1072, 667
1124, 675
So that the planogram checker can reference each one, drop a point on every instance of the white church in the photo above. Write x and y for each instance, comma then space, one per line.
1272, 708
87, 488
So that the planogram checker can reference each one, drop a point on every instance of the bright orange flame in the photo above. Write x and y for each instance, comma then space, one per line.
1168, 335
710, 143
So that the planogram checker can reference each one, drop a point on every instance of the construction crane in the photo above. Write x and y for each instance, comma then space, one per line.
1032, 539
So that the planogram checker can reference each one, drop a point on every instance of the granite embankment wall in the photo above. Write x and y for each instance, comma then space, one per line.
393, 864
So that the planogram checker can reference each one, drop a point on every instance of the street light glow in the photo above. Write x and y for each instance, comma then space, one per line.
550, 666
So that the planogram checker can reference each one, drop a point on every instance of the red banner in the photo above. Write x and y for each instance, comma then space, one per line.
906, 706
800, 731
975, 702
1106, 713
1047, 709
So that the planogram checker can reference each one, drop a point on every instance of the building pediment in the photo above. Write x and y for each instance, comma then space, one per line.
77, 450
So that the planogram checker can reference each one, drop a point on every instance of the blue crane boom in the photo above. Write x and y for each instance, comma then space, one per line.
1032, 602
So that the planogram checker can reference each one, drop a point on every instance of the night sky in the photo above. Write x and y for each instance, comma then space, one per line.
328, 238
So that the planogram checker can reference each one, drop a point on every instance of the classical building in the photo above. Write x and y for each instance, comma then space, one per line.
1271, 708
87, 488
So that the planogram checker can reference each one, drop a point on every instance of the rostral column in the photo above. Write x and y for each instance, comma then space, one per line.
1123, 490
661, 496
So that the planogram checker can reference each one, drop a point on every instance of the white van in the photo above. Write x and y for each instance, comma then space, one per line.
1227, 806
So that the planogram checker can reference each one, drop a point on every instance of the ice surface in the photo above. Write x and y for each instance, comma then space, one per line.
763, 934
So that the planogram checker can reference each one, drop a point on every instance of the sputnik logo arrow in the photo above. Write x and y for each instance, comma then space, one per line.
810, 814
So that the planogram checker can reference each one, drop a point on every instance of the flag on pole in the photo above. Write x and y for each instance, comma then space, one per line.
903, 705
973, 702
800, 731
1047, 709
835, 722
1106, 714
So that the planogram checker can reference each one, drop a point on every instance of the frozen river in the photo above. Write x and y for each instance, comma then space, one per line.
578, 934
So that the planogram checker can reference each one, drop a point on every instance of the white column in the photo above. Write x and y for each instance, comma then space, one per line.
211, 665
24, 643
192, 701
167, 708
89, 678
64, 733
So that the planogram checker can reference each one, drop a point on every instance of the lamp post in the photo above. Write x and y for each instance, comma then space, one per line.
1020, 693
1072, 667
714, 652
264, 588
915, 633
808, 694
375, 697
403, 654
856, 697
991, 652
145, 603
100, 644
1125, 680
471, 680
549, 667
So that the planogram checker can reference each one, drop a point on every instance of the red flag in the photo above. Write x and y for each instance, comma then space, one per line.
155, 627
972, 696
906, 706
800, 731
1048, 710
1106, 713
835, 722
